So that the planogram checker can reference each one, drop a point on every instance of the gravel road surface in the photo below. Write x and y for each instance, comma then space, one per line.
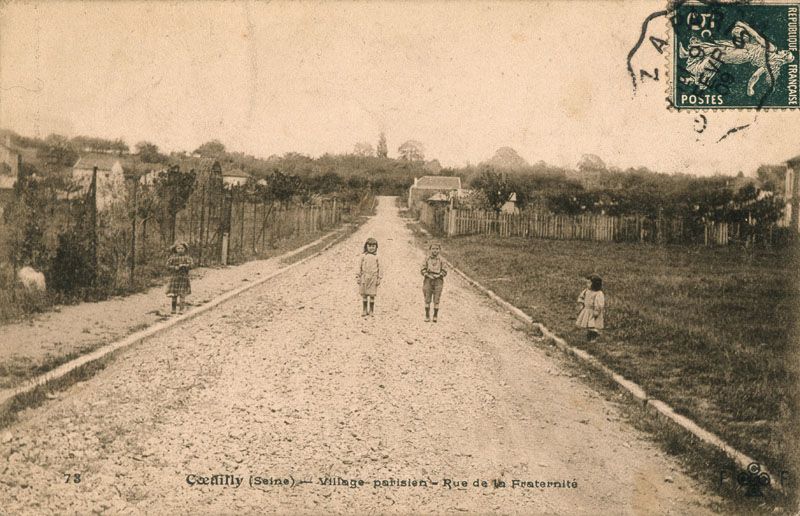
289, 382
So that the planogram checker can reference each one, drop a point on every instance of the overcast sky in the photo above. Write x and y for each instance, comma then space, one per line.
546, 78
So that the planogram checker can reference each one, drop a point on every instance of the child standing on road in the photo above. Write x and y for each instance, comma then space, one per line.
369, 276
591, 303
434, 272
179, 264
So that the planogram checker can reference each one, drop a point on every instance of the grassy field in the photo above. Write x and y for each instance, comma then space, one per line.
713, 332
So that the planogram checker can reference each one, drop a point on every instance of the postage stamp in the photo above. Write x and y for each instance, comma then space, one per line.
735, 56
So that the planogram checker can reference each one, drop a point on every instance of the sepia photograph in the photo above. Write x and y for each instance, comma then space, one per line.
399, 257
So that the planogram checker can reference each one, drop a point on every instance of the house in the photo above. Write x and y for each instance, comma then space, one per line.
426, 187
6, 192
235, 177
10, 161
149, 177
792, 195
205, 169
9, 158
510, 206
110, 177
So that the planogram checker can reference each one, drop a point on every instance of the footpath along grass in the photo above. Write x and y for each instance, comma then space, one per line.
36, 349
712, 332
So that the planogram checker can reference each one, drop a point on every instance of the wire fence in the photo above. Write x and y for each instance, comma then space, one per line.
88, 248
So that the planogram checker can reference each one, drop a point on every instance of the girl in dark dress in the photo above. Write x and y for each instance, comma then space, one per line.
179, 264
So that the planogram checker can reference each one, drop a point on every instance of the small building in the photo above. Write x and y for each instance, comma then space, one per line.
235, 177
149, 177
6, 192
110, 177
427, 186
207, 170
9, 158
510, 206
792, 195
9, 171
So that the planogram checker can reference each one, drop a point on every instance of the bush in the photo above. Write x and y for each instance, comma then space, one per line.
70, 272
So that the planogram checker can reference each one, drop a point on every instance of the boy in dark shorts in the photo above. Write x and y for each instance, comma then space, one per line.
434, 272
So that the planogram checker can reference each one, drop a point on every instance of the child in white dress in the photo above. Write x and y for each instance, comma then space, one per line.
369, 276
592, 304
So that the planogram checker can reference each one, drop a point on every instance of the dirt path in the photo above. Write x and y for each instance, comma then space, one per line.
289, 381
27, 348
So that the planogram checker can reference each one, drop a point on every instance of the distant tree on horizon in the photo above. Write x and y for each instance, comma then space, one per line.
211, 149
591, 163
383, 149
93, 144
148, 153
412, 150
506, 158
363, 149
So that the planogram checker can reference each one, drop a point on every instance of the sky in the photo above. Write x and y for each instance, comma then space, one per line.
549, 79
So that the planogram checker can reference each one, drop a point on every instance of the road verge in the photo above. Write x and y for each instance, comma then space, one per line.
653, 406
33, 390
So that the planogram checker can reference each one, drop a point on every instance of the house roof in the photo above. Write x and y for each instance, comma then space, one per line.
101, 161
193, 163
235, 173
438, 183
438, 197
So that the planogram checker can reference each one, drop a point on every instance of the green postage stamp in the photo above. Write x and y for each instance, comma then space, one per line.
735, 55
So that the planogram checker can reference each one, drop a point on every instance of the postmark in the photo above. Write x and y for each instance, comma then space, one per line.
734, 56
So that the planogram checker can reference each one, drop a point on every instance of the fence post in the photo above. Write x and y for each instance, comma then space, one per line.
224, 257
451, 221
133, 231
93, 226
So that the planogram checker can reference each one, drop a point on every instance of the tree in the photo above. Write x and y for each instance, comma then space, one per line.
212, 149
174, 187
363, 149
148, 153
412, 150
93, 144
383, 150
496, 187
432, 167
282, 187
591, 163
58, 151
506, 158
773, 178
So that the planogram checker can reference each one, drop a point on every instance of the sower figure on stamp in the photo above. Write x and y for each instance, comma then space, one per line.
434, 272
179, 264
369, 276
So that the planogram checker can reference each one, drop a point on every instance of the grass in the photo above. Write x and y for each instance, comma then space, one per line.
39, 395
712, 332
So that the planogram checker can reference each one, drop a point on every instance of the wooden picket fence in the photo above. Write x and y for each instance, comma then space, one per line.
603, 228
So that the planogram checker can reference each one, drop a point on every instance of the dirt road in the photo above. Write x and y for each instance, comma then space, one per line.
289, 382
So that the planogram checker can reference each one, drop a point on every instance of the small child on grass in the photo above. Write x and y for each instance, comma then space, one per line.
591, 303
369, 276
179, 264
434, 272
